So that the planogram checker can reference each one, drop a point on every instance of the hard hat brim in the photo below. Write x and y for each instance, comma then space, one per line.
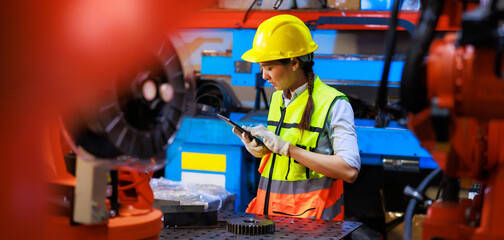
250, 56
255, 56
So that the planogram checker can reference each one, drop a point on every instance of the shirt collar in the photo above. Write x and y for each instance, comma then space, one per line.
296, 93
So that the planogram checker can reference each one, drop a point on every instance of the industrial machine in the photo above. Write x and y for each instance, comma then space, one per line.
104, 154
456, 111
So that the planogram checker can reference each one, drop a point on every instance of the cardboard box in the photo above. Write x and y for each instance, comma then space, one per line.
344, 4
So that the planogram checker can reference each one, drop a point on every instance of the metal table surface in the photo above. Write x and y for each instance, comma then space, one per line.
285, 228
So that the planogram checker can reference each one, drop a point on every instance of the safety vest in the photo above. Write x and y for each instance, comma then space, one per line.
286, 187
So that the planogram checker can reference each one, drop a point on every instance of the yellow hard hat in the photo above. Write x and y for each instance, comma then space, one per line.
279, 37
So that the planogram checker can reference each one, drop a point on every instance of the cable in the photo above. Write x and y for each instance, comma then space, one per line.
248, 10
381, 100
410, 210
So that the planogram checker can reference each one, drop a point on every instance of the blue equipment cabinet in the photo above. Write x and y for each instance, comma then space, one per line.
200, 141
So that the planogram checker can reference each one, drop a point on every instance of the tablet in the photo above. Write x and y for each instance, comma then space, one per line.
231, 123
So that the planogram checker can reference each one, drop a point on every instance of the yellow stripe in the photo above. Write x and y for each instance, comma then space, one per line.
204, 161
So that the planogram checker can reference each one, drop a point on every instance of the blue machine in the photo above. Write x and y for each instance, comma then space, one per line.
394, 147
210, 138
345, 70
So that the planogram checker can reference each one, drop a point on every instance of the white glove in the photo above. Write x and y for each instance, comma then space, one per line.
274, 142
253, 146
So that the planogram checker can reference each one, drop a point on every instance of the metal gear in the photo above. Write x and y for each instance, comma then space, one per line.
250, 226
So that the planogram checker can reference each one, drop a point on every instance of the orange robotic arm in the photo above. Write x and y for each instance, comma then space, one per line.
458, 115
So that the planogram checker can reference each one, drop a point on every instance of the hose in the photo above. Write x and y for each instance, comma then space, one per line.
410, 210
413, 86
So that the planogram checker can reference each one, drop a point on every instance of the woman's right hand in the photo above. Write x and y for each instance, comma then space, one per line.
252, 146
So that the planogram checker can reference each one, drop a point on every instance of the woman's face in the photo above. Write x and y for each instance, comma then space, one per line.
280, 75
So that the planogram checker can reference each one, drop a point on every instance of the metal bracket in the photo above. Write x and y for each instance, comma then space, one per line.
243, 67
413, 193
398, 163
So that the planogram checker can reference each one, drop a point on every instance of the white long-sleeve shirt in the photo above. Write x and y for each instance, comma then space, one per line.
339, 136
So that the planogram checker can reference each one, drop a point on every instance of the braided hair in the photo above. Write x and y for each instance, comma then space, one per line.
309, 108
306, 64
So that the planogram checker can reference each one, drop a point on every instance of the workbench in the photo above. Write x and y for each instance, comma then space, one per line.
285, 228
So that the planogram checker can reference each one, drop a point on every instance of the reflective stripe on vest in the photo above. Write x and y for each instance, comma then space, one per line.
318, 203
296, 187
288, 188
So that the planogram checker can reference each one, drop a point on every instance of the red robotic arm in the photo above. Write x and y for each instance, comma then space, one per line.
462, 126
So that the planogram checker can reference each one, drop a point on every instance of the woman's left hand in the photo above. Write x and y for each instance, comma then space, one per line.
274, 142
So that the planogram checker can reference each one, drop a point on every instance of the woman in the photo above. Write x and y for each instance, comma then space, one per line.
310, 144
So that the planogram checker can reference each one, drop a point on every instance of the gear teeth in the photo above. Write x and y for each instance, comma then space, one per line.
250, 226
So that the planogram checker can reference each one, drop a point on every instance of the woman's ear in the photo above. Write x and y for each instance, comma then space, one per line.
295, 64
